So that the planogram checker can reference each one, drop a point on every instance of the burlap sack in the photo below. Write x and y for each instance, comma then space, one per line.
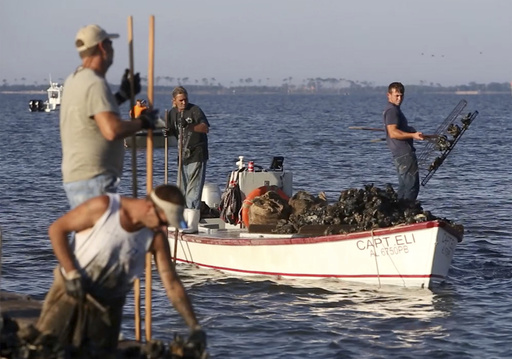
268, 209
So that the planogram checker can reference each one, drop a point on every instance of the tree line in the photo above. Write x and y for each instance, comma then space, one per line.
316, 85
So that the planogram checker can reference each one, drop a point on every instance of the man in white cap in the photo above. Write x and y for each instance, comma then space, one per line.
113, 233
92, 130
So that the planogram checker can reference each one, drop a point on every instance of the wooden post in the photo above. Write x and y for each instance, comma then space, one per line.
136, 283
149, 170
166, 149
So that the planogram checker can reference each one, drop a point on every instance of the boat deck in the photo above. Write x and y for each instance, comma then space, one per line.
218, 229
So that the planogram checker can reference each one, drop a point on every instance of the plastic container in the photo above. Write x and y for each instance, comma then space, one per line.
211, 195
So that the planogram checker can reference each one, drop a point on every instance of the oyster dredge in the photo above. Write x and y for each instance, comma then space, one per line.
367, 236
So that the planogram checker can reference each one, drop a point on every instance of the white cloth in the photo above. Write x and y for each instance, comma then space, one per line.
110, 257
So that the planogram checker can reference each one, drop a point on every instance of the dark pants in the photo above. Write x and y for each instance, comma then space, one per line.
408, 176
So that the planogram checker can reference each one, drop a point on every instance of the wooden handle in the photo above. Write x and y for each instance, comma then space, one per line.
366, 128
149, 169
136, 283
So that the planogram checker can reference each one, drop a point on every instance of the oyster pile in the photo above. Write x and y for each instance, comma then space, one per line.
356, 210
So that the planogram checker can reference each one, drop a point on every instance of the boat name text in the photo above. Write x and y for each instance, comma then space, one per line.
387, 246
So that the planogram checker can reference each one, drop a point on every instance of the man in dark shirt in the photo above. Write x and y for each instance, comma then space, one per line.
399, 138
188, 123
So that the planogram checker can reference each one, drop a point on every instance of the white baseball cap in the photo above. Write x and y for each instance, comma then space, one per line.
91, 35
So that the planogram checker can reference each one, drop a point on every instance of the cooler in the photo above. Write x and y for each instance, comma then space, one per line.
249, 181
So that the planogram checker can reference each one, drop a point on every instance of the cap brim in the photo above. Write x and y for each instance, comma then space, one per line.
173, 212
176, 220
112, 36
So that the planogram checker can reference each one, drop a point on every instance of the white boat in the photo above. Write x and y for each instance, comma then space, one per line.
417, 255
414, 255
54, 96
53, 101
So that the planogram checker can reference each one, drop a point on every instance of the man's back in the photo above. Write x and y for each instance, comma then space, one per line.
86, 153
111, 256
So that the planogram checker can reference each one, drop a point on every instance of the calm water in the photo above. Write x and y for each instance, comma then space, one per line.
468, 317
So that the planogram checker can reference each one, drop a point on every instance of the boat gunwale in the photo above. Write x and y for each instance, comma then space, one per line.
205, 238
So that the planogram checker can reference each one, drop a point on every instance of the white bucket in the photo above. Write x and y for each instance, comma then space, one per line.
211, 195
192, 217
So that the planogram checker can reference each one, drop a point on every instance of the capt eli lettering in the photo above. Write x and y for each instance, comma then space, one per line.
387, 246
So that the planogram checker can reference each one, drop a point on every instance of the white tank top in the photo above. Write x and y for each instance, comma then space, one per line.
110, 257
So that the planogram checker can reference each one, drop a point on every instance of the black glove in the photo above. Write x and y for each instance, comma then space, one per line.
197, 341
125, 89
74, 284
149, 119
166, 131
185, 122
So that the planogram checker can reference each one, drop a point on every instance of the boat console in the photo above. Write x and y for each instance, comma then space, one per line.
253, 176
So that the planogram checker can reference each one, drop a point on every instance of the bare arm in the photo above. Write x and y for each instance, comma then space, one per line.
78, 219
112, 127
172, 283
397, 134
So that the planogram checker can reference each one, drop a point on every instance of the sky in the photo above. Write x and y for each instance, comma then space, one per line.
447, 42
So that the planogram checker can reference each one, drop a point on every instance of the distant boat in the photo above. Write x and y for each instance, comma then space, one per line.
53, 102
54, 96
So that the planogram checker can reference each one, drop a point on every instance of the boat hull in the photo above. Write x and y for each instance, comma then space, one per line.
417, 255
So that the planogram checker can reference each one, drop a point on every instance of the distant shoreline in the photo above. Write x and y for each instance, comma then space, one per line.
21, 92
203, 92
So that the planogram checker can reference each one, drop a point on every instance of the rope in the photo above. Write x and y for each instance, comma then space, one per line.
375, 255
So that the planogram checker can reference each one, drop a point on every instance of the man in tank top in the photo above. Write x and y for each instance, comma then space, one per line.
113, 234
399, 138
91, 127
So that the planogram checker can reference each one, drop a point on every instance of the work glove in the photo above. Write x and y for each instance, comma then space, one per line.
125, 90
185, 122
197, 341
149, 119
74, 284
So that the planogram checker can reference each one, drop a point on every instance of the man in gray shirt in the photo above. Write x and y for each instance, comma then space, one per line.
92, 130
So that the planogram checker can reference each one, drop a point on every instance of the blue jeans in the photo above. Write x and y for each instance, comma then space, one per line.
192, 181
80, 191
408, 176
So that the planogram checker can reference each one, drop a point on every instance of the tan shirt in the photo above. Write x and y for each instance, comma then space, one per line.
85, 152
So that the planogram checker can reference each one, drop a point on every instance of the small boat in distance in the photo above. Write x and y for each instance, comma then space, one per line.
54, 96
53, 102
